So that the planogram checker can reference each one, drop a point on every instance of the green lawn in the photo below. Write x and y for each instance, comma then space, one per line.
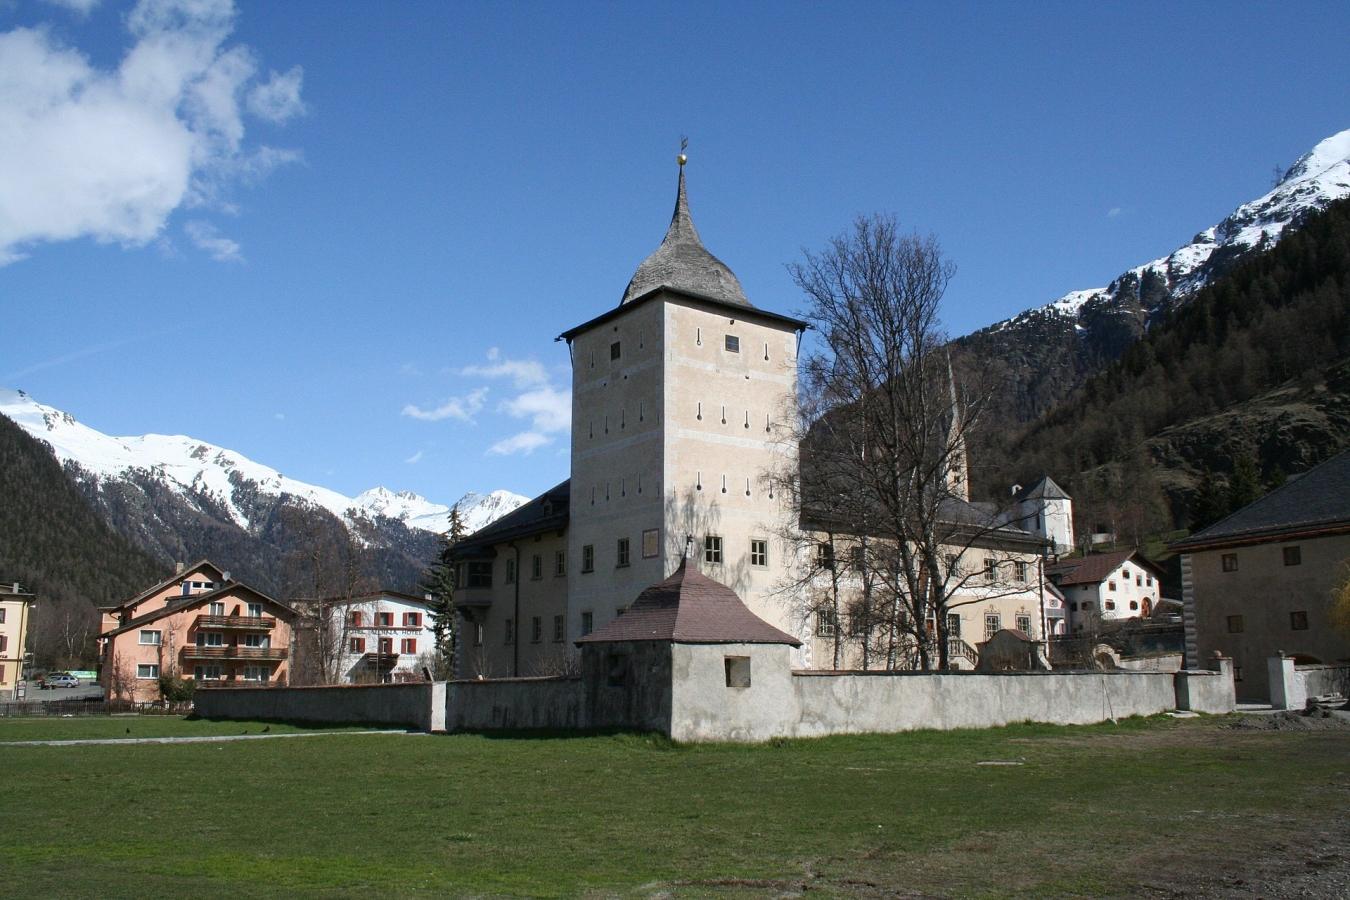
1087, 811
105, 727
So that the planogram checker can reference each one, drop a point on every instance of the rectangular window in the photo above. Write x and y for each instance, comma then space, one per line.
1293, 556
480, 575
738, 671
1235, 625
1230, 562
256, 640
650, 543
386, 646
826, 624
712, 549
207, 673
825, 556
588, 558
557, 629
1024, 624
509, 630
1021, 569
210, 639
384, 619
412, 620
733, 344
255, 610
953, 625
478, 634
1110, 586
615, 350
560, 563
992, 623
147, 670
536, 567
622, 555
255, 673
358, 645
1109, 604
151, 638
1298, 620
510, 577
536, 629
357, 619
953, 564
217, 609
990, 568
1148, 580
2, 615
408, 645
587, 623
759, 552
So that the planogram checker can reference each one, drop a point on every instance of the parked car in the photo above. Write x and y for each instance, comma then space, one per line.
60, 680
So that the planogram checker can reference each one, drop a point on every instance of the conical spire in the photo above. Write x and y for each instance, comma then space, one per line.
682, 263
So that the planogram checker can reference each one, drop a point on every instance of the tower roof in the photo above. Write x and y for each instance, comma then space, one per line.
690, 608
683, 263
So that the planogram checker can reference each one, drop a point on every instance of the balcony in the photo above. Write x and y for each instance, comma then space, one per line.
269, 654
473, 598
237, 623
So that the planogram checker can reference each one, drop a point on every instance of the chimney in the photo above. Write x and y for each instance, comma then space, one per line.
178, 568
224, 576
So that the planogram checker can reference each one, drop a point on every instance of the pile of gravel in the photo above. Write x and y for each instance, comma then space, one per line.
1311, 720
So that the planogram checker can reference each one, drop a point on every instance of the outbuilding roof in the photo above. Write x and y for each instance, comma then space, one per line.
690, 608
1096, 567
1316, 501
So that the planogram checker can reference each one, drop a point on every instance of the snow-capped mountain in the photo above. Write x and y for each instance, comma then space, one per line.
1046, 352
230, 480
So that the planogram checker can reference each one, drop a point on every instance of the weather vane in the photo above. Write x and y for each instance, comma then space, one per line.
684, 144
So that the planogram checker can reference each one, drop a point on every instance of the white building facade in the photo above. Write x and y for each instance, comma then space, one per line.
383, 636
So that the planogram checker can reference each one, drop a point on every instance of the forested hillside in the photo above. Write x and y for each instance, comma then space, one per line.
1249, 378
58, 547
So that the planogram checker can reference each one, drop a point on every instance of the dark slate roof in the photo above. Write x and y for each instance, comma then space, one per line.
181, 603
1045, 489
1094, 568
683, 263
547, 512
1318, 500
690, 608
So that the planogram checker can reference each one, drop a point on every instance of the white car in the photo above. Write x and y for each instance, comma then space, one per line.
61, 680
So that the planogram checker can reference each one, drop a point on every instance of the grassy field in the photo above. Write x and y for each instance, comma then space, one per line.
122, 727
1092, 811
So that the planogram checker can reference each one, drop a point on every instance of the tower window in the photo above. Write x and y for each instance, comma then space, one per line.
614, 350
733, 344
759, 552
712, 549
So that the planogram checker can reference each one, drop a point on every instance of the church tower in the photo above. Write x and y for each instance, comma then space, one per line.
958, 464
679, 395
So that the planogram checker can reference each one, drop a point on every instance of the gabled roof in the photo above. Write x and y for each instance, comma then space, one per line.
159, 586
547, 512
690, 608
1096, 567
1315, 502
181, 603
376, 595
683, 263
1045, 489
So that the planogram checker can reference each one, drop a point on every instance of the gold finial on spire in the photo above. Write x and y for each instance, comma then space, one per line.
684, 145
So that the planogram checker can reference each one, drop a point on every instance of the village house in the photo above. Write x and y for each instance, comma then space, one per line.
382, 636
15, 612
680, 396
1260, 583
198, 624
1102, 588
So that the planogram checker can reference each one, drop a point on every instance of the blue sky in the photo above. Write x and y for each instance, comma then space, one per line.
340, 237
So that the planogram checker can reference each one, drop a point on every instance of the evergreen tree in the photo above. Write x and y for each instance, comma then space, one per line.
1245, 485
439, 582
1210, 504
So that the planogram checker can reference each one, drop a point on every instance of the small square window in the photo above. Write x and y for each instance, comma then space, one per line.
712, 549
1235, 625
733, 344
588, 558
615, 351
1230, 562
1298, 620
622, 554
1293, 556
1110, 604
738, 671
1134, 604
1110, 586
650, 543
759, 552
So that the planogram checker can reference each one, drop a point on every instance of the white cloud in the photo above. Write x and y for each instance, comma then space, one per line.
111, 153
523, 372
278, 98
280, 417
524, 443
549, 409
1113, 212
461, 408
207, 237
79, 7
414, 459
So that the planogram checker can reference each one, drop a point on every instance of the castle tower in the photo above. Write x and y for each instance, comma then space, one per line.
958, 464
678, 397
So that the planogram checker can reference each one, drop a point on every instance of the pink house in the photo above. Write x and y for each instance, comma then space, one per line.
199, 624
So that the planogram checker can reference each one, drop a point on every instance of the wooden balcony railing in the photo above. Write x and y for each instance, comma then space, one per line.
238, 623
272, 654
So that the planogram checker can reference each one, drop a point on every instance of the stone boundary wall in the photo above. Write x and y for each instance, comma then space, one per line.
408, 705
509, 703
1323, 679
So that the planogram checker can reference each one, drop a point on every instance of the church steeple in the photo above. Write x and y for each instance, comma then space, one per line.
958, 466
682, 263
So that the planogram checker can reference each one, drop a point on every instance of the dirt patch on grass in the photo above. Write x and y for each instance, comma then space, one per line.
1314, 720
